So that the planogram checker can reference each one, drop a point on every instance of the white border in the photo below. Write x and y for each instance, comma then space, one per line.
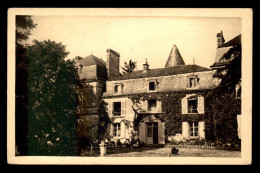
246, 118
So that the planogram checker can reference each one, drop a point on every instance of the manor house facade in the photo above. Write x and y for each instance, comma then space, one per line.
119, 92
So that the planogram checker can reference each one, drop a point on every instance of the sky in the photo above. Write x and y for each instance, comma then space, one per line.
138, 38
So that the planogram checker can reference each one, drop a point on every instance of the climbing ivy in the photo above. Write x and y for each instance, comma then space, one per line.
171, 106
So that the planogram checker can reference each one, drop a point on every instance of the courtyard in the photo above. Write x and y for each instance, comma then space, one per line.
183, 152
166, 152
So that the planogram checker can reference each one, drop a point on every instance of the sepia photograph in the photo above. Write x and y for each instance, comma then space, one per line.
129, 86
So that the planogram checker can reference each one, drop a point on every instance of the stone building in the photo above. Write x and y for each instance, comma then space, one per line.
176, 76
92, 75
118, 91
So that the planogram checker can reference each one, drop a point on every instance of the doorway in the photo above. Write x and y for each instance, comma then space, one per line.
152, 132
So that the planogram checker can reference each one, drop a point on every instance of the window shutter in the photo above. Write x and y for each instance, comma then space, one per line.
185, 130
201, 105
111, 129
159, 106
110, 109
144, 105
184, 105
122, 124
201, 129
123, 108
142, 131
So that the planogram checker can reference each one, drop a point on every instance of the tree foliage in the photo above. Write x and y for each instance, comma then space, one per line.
52, 100
24, 26
129, 67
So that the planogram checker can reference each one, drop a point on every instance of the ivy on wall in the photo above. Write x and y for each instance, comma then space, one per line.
222, 116
171, 105
220, 113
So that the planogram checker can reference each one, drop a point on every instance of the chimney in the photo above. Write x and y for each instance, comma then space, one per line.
112, 63
77, 58
220, 39
145, 66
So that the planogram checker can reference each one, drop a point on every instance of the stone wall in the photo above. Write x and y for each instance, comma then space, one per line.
164, 84
87, 126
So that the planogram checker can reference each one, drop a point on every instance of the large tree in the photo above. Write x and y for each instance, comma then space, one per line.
52, 100
24, 26
129, 67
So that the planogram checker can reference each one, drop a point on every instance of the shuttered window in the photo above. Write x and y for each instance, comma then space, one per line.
117, 129
201, 105
184, 105
152, 105
193, 105
193, 129
117, 108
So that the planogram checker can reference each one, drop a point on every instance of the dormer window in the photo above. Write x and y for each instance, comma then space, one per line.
193, 81
118, 88
152, 86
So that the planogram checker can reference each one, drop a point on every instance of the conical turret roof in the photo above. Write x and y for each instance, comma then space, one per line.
175, 58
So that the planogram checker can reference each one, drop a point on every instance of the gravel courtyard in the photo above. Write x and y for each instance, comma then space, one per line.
183, 152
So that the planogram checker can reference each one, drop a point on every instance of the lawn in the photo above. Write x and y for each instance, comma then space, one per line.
183, 152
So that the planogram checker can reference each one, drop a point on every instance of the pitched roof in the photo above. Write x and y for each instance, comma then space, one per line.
233, 41
181, 69
175, 58
92, 60
224, 49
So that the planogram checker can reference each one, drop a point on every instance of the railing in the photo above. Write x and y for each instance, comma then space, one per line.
192, 111
152, 109
117, 113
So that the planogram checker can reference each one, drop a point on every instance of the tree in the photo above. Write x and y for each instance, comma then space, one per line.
24, 26
52, 100
129, 67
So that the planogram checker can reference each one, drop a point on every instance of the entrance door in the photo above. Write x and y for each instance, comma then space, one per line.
155, 133
152, 132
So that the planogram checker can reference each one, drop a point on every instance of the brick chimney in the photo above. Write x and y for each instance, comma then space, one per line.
113, 62
145, 66
220, 39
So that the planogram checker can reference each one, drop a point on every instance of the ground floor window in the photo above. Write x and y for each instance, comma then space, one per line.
117, 130
193, 129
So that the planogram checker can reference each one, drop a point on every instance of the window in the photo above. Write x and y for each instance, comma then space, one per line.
152, 86
193, 105
117, 109
116, 89
152, 105
117, 130
149, 130
192, 81
193, 129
